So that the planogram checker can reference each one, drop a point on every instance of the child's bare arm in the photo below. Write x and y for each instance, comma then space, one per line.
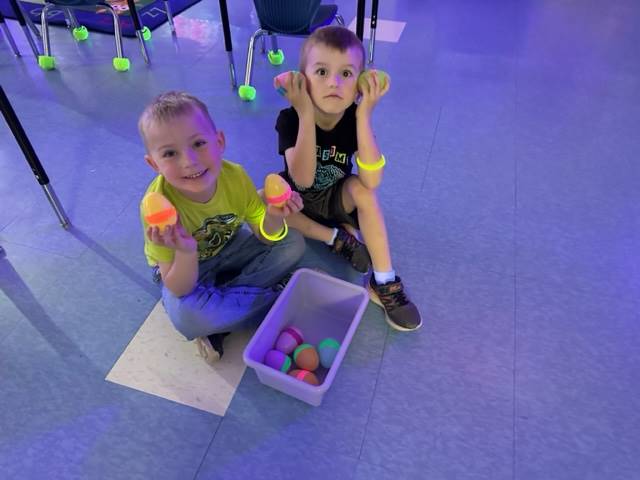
301, 158
181, 274
368, 151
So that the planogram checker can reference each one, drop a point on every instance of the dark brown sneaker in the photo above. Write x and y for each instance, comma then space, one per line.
400, 312
352, 249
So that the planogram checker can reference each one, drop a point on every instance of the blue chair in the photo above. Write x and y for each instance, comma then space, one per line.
293, 18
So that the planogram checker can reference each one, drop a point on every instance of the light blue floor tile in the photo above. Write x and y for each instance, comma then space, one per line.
446, 391
273, 460
576, 389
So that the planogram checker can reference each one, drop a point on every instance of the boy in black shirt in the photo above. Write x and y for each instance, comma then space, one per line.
318, 136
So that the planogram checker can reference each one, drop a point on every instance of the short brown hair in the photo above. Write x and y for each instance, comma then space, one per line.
168, 106
337, 37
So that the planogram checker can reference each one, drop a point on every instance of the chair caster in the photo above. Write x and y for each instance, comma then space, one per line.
80, 33
276, 58
121, 64
247, 92
46, 62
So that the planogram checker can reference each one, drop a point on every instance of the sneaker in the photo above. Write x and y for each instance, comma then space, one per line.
400, 312
279, 287
352, 249
210, 347
155, 275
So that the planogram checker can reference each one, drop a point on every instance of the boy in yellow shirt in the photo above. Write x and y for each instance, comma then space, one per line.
217, 275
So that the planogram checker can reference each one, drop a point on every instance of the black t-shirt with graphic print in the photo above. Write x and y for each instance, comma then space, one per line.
334, 148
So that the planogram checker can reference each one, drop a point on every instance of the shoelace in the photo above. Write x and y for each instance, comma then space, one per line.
393, 300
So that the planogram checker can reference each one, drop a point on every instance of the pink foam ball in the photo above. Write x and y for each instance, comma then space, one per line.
289, 339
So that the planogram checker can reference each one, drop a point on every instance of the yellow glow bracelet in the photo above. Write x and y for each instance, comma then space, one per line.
277, 236
371, 166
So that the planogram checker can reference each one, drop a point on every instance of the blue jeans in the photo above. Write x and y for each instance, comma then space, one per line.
235, 287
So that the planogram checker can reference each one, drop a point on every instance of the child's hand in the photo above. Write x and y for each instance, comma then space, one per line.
174, 237
293, 205
295, 85
372, 91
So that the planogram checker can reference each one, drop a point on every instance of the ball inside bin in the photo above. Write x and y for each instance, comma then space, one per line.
306, 357
305, 376
327, 350
278, 360
289, 339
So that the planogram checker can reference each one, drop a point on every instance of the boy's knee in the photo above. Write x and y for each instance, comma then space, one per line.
360, 193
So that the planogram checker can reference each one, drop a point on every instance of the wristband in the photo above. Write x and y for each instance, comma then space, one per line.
276, 236
371, 167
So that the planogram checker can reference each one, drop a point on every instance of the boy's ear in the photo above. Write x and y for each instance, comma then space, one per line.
222, 142
151, 162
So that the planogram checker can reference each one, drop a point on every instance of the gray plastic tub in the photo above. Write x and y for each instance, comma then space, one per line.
320, 306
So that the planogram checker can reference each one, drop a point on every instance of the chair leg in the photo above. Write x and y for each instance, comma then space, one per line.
28, 22
142, 33
120, 62
78, 32
17, 11
246, 91
275, 55
46, 60
374, 24
7, 33
167, 8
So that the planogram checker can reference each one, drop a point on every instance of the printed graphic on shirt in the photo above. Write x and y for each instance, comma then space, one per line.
330, 154
327, 174
214, 233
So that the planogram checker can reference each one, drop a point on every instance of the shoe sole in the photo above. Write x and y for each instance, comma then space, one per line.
373, 296
207, 352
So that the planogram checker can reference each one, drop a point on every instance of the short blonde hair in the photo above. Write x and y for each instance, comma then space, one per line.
336, 37
167, 106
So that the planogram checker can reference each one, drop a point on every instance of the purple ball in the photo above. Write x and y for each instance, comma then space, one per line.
289, 339
278, 360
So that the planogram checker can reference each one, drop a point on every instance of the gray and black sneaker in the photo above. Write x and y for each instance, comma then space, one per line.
400, 312
352, 249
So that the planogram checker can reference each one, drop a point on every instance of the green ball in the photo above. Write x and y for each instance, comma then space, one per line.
383, 79
121, 64
146, 34
247, 92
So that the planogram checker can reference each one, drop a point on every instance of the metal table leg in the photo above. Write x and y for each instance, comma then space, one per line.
374, 23
36, 167
224, 16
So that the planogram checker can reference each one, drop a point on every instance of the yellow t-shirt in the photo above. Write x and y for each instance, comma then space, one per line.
212, 224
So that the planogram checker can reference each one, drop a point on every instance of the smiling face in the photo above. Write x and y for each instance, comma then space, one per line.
332, 78
187, 151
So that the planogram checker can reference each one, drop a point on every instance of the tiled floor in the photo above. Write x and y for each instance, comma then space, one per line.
513, 206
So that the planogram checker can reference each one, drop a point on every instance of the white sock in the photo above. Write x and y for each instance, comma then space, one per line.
384, 277
333, 237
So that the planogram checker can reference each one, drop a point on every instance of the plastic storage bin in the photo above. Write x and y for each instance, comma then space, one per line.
320, 306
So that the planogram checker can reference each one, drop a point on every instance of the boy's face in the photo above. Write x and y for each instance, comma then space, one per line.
187, 152
332, 77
